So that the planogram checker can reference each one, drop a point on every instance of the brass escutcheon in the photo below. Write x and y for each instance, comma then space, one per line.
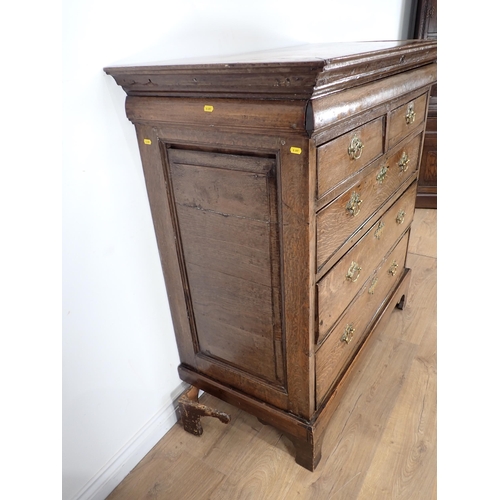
353, 272
382, 174
400, 217
393, 268
410, 114
355, 148
378, 231
353, 205
348, 333
404, 162
371, 290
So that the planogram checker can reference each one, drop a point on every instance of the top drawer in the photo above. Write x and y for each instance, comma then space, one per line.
348, 154
403, 120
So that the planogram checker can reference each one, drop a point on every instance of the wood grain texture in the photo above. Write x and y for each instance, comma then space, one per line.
329, 110
289, 72
396, 121
246, 115
380, 443
336, 290
334, 162
336, 225
426, 28
249, 289
225, 206
334, 352
424, 233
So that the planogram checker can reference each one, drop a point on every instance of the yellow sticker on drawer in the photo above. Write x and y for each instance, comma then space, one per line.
147, 141
208, 108
295, 151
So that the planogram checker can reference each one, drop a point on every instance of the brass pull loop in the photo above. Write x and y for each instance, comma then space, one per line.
400, 217
348, 333
378, 231
355, 148
371, 290
353, 272
410, 114
382, 174
404, 162
393, 268
353, 205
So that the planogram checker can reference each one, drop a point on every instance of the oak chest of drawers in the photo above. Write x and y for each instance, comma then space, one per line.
282, 187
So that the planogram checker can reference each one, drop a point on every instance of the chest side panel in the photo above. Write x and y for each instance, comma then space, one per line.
225, 207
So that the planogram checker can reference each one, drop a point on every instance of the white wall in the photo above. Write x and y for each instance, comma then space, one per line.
119, 353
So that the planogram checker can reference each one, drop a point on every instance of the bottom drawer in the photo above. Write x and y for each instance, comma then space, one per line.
341, 345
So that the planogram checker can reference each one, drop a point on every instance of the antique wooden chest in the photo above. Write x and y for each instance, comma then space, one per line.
282, 188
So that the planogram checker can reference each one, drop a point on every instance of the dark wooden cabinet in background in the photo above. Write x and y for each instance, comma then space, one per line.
426, 28
282, 186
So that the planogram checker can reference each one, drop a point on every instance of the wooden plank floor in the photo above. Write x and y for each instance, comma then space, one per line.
380, 443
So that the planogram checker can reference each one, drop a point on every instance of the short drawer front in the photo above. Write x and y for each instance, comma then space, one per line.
340, 219
338, 288
341, 345
348, 154
405, 119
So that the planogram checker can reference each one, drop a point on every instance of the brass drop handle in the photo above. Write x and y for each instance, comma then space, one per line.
400, 217
410, 114
355, 148
353, 205
371, 290
348, 333
353, 272
378, 231
393, 268
404, 162
382, 174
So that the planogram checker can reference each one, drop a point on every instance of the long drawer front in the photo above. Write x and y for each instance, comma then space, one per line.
341, 284
341, 218
335, 354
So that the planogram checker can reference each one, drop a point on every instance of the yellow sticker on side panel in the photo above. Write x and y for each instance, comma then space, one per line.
208, 108
295, 151
147, 141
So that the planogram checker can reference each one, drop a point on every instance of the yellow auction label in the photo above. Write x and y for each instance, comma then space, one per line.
295, 151
147, 141
208, 108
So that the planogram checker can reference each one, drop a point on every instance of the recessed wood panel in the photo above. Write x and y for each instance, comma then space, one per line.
226, 213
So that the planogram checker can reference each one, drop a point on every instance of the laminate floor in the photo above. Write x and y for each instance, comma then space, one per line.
380, 443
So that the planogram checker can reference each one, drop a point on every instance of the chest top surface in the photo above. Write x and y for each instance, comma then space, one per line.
301, 71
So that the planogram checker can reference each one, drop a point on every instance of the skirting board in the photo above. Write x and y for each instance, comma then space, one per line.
118, 466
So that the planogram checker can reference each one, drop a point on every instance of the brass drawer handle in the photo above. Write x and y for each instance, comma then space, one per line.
393, 268
404, 162
353, 205
348, 333
371, 290
382, 174
355, 148
400, 217
353, 272
410, 114
378, 231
